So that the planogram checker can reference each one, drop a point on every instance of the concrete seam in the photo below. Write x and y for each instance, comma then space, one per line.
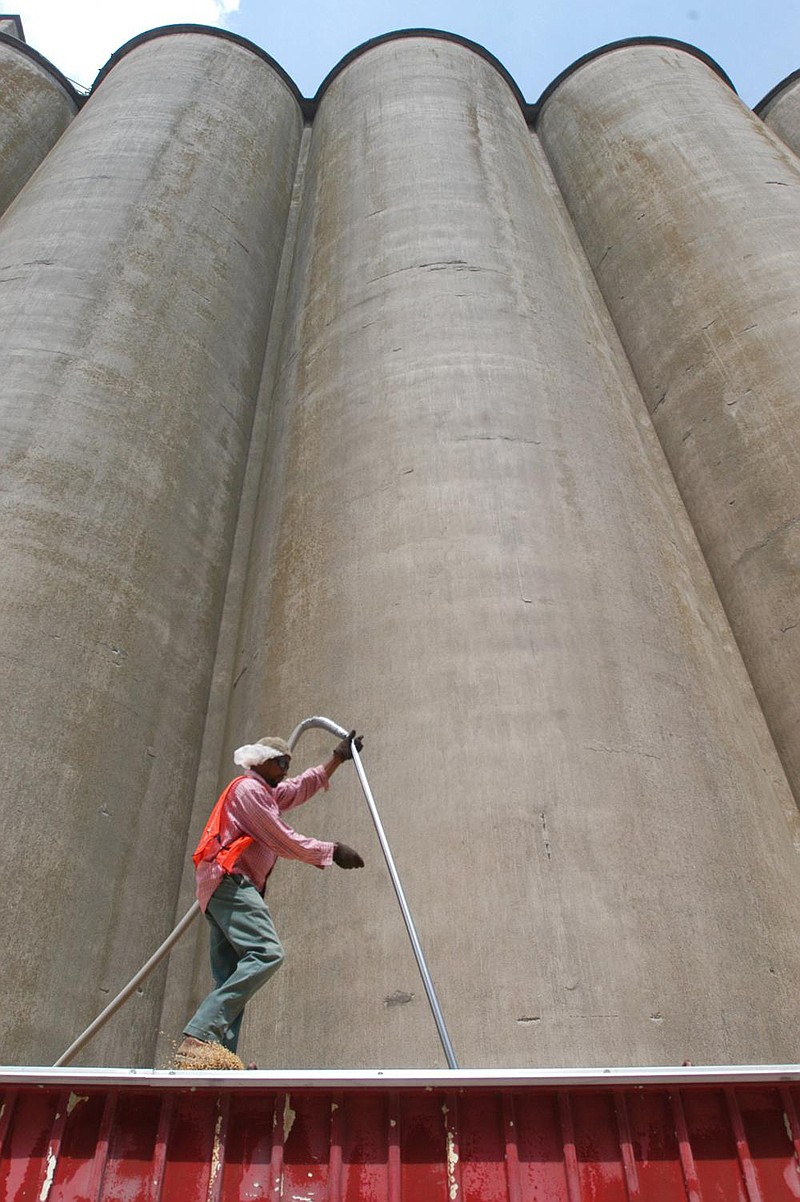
222, 677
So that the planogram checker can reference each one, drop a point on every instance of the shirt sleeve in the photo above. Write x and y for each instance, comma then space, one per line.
257, 814
297, 789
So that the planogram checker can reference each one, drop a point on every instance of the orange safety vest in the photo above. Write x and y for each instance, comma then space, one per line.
226, 857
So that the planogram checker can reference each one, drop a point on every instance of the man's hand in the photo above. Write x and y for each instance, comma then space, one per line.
345, 856
343, 750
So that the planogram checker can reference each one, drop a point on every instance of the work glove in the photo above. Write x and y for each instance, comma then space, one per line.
343, 750
346, 857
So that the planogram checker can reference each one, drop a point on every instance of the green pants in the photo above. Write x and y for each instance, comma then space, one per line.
245, 952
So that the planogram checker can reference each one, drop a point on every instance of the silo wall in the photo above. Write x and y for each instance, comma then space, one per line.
138, 272
36, 106
689, 211
781, 112
469, 545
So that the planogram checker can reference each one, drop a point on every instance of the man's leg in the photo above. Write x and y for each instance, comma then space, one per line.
241, 917
231, 1041
224, 961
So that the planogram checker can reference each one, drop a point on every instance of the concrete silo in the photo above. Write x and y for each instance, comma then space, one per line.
689, 210
138, 271
469, 544
366, 362
780, 110
36, 105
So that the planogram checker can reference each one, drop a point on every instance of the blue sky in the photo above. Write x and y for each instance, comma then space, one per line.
757, 42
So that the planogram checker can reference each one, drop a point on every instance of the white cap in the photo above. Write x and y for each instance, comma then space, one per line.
268, 748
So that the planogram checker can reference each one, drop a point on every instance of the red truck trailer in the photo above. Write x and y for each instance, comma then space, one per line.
117, 1135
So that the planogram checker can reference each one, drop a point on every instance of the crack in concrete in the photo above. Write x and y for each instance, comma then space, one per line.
767, 539
650, 755
496, 438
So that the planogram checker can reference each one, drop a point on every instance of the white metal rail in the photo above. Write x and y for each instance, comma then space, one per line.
398, 1078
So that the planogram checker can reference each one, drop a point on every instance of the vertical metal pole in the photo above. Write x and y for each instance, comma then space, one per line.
401, 897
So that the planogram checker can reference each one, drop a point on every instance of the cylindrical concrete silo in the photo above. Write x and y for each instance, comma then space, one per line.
780, 110
36, 105
137, 280
689, 210
470, 546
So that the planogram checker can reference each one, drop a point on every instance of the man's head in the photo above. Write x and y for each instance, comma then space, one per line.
269, 757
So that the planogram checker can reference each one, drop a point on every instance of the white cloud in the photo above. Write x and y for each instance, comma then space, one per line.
79, 36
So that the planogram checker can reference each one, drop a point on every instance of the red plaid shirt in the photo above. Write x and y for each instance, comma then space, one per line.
254, 808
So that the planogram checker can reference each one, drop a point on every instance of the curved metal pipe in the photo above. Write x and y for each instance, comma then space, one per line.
433, 1001
158, 955
324, 723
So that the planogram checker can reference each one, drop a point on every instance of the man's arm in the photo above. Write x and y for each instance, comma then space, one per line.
257, 816
297, 789
264, 823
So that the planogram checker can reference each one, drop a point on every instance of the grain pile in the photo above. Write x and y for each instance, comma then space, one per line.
207, 1056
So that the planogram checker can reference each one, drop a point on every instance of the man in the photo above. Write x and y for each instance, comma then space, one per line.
238, 850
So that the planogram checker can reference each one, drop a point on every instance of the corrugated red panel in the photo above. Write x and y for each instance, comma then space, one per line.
227, 1141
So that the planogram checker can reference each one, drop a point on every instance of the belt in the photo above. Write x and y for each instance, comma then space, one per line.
240, 879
